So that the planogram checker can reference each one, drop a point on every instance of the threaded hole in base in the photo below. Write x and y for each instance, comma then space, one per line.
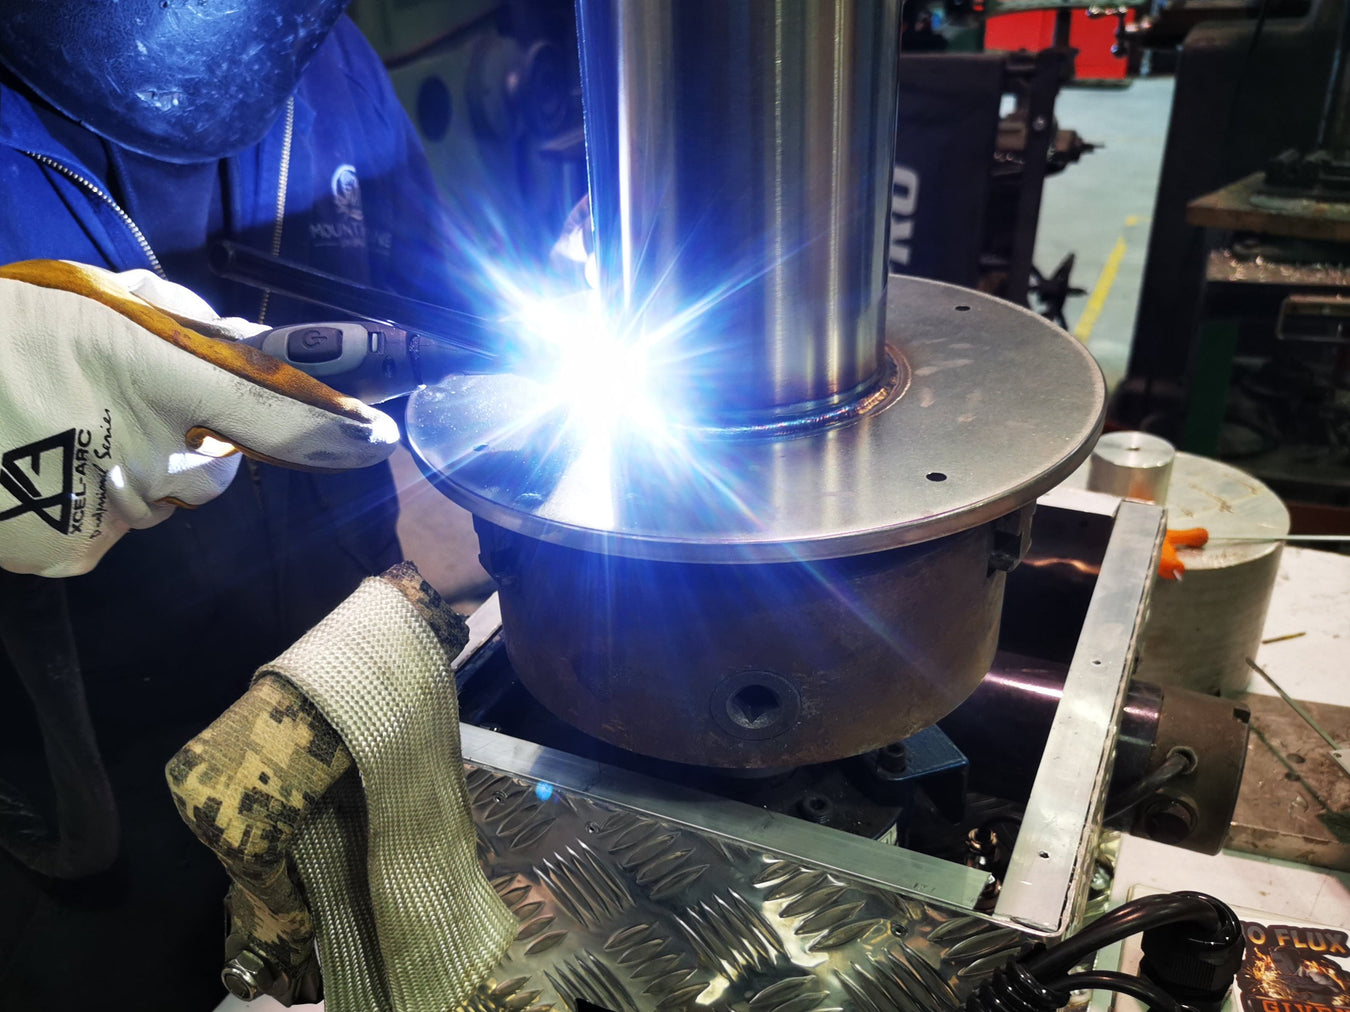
754, 707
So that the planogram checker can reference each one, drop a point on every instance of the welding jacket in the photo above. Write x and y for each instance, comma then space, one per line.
174, 620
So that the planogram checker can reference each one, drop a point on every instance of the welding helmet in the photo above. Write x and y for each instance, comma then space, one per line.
178, 80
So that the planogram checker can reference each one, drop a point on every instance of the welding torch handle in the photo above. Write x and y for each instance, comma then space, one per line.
369, 361
480, 341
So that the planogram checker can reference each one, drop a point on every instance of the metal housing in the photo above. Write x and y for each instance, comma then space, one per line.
782, 410
769, 665
650, 582
636, 894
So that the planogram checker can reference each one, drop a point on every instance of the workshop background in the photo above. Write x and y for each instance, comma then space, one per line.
1107, 168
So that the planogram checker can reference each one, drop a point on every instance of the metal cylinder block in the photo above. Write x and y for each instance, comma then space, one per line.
1201, 629
1133, 465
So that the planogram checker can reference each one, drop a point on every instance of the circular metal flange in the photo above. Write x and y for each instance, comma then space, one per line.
1000, 406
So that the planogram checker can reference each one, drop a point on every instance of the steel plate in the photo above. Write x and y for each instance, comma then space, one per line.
1000, 406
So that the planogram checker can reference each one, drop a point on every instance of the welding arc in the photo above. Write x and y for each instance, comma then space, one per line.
464, 331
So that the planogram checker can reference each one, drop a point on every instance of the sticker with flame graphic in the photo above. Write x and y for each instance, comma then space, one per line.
1288, 968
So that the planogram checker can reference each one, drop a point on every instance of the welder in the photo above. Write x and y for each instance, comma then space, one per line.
132, 136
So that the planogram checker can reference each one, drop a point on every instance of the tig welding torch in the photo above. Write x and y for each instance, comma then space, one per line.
398, 345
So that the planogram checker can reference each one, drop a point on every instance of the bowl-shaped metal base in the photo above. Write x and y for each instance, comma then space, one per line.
761, 665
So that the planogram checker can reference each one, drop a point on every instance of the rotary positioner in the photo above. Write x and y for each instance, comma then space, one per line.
769, 523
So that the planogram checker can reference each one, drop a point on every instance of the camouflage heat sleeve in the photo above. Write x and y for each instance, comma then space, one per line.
448, 627
247, 783
244, 786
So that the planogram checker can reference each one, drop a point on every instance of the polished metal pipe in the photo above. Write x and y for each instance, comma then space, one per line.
740, 157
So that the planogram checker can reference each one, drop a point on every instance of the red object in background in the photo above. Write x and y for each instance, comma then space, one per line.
1035, 30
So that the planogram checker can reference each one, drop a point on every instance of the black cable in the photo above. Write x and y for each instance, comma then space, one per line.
1136, 987
1179, 762
1261, 14
1131, 918
1012, 989
1333, 103
1196, 943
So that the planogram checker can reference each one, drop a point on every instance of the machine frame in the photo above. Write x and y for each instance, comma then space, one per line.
636, 894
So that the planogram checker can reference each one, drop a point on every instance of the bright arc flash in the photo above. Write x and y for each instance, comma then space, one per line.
602, 379
607, 391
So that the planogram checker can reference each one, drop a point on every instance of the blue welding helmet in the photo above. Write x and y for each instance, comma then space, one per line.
178, 80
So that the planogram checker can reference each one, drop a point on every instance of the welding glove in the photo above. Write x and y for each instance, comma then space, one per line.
115, 408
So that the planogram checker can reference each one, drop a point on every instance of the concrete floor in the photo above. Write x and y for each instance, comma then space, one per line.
1098, 209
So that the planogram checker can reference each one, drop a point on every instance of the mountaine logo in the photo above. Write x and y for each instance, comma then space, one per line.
343, 223
347, 192
39, 477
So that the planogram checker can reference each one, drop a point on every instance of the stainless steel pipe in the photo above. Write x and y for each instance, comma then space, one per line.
740, 156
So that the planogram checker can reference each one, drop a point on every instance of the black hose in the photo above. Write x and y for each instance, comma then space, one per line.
1131, 918
1012, 989
1178, 763
1040, 981
1136, 987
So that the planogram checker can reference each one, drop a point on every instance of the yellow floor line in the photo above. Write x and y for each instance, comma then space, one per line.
1083, 328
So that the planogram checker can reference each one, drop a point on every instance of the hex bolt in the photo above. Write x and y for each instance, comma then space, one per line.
815, 807
892, 758
1101, 879
247, 976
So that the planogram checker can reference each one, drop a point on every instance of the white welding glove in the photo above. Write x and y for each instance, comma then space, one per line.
114, 409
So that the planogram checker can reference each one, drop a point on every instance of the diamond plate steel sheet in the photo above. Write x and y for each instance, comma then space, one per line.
628, 912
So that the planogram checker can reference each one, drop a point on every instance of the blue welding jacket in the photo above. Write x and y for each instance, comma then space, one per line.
172, 623
280, 547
